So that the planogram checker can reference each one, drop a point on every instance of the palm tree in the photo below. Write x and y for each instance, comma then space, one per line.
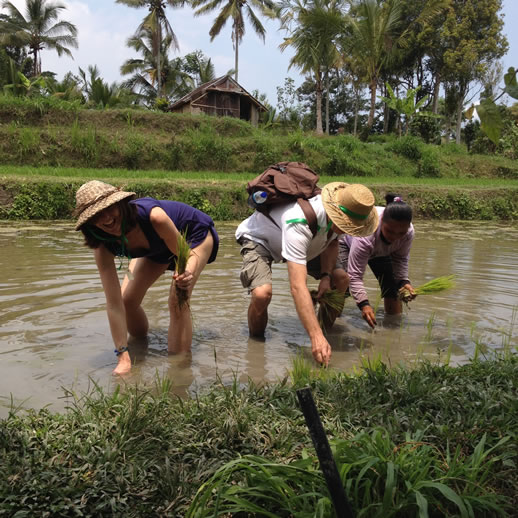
377, 30
144, 74
234, 9
156, 21
38, 29
317, 25
199, 67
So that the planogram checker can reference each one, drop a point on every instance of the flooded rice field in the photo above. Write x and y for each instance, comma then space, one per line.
54, 333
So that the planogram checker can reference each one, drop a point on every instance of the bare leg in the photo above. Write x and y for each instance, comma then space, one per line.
258, 309
393, 306
179, 336
145, 273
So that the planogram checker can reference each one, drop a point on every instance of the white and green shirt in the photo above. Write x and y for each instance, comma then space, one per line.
292, 239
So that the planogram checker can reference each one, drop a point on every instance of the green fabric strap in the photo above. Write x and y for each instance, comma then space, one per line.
304, 222
345, 210
297, 220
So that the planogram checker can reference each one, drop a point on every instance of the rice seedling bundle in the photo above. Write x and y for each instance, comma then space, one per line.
434, 286
331, 305
182, 256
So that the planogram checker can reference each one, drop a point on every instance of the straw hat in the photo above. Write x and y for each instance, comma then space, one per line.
95, 196
351, 208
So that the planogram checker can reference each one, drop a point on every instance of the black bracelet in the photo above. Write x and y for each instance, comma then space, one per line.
325, 274
118, 352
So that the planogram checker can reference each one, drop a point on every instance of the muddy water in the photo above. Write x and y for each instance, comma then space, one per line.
54, 332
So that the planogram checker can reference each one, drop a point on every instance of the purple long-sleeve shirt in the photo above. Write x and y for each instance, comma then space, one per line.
362, 249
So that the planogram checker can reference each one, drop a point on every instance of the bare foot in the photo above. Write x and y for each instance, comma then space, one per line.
124, 365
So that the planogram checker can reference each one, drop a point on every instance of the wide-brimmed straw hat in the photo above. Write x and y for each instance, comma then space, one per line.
95, 196
351, 208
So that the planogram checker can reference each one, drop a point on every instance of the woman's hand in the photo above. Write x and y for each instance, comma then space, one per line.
368, 316
407, 293
183, 281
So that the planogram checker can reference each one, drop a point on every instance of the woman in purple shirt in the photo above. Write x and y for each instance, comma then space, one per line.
386, 252
146, 231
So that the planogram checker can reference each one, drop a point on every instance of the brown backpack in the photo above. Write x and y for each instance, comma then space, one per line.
284, 182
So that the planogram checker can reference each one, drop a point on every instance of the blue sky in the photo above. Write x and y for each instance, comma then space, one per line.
104, 27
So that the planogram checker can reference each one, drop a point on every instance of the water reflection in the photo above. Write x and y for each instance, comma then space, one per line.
54, 331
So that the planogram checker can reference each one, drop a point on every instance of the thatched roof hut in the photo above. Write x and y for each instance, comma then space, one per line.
222, 96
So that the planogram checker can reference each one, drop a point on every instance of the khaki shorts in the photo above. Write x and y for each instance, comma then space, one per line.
257, 265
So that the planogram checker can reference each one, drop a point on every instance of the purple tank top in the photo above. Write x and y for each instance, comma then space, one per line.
197, 223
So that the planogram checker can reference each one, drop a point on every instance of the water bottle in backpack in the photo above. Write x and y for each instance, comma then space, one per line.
257, 198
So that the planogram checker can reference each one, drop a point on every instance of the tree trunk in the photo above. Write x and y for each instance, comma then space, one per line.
459, 121
356, 110
436, 88
35, 64
372, 87
327, 102
158, 67
236, 43
318, 92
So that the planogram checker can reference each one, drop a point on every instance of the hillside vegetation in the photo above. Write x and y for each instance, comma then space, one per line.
48, 148
45, 132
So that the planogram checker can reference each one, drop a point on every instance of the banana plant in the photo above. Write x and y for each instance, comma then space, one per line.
22, 85
490, 118
405, 106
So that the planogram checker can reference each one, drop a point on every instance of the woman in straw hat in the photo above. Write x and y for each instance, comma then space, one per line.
146, 231
386, 252
284, 235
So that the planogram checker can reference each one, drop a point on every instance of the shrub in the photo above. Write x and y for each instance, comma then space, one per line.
428, 165
426, 127
407, 146
133, 150
342, 163
209, 150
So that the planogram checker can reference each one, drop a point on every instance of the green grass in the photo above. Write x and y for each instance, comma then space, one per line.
122, 174
433, 438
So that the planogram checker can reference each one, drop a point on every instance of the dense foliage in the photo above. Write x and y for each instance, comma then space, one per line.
353, 54
434, 437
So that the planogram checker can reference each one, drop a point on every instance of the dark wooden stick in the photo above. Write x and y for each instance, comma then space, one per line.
327, 463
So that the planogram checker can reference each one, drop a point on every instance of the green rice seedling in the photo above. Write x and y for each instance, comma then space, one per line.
304, 372
434, 286
182, 256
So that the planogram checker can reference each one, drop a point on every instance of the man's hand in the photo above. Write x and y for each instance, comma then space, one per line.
321, 350
320, 347
368, 316
323, 286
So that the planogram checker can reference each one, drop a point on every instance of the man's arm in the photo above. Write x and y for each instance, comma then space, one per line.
327, 264
319, 345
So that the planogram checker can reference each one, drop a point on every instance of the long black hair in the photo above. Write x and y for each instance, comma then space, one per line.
396, 209
94, 237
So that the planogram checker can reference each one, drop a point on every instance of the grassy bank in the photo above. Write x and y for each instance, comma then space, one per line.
44, 132
432, 441
48, 193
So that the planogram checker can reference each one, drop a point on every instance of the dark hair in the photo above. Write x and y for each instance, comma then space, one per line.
396, 209
129, 216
